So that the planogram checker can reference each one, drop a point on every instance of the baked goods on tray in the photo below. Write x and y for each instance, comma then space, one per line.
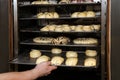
83, 14
71, 28
85, 41
48, 15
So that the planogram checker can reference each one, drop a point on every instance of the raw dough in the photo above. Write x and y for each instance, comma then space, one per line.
57, 60
35, 53
42, 59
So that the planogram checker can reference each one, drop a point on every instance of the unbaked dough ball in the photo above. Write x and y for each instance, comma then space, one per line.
56, 51
71, 61
91, 53
35, 53
70, 54
90, 62
57, 60
42, 58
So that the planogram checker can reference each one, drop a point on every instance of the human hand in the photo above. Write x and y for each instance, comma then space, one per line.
43, 69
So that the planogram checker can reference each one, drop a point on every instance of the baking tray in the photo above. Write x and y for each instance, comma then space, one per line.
25, 59
30, 42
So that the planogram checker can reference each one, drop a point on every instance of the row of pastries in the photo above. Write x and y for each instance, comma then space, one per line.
83, 14
71, 57
64, 40
70, 28
59, 2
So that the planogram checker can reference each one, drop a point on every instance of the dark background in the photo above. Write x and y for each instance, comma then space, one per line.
4, 47
115, 30
115, 21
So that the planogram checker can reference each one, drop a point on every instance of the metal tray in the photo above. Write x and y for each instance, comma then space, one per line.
30, 42
70, 4
25, 59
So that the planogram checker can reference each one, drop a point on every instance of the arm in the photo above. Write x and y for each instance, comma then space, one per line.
40, 70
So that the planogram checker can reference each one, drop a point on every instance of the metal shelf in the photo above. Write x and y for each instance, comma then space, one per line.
30, 42
25, 59
70, 4
61, 18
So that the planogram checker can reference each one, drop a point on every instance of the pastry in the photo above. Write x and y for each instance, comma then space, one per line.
44, 29
49, 15
85, 41
72, 28
42, 58
70, 54
64, 2
36, 2
89, 62
66, 28
44, 40
90, 14
79, 28
58, 29
45, 2
35, 53
55, 15
57, 60
56, 51
51, 27
87, 28
61, 40
75, 15
81, 14
96, 27
71, 61
91, 53
40, 15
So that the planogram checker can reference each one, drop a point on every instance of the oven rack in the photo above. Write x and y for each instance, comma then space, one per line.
24, 58
70, 4
30, 42
61, 18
